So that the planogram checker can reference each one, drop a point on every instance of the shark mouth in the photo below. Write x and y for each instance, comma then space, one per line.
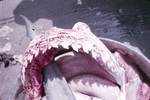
92, 71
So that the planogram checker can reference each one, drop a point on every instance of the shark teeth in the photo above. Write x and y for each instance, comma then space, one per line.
44, 50
49, 46
105, 58
25, 63
32, 50
54, 44
113, 69
87, 47
37, 52
76, 47
65, 44
30, 58
94, 54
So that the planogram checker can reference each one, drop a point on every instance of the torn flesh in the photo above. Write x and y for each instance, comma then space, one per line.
91, 64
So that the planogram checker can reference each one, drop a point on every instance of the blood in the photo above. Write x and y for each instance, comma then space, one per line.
91, 98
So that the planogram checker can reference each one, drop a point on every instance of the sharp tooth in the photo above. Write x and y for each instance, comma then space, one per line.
111, 66
23, 71
44, 49
49, 46
94, 54
113, 69
65, 44
54, 44
87, 47
24, 63
37, 52
106, 58
33, 51
30, 58
76, 47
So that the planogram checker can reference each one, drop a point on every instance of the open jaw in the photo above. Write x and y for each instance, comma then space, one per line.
91, 69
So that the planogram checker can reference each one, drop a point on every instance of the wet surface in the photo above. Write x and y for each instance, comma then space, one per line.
121, 20
126, 21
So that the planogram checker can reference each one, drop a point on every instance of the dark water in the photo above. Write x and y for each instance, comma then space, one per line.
121, 20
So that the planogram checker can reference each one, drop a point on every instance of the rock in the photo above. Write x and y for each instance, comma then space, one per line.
98, 13
5, 30
6, 48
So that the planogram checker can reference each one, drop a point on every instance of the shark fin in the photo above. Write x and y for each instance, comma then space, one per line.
30, 29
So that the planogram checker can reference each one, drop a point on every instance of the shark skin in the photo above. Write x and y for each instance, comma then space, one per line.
121, 64
45, 45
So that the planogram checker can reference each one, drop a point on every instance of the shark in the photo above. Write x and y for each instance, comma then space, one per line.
74, 64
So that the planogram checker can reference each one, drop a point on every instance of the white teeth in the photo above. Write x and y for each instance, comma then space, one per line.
94, 55
23, 71
49, 46
106, 58
65, 44
44, 50
54, 44
87, 47
76, 47
30, 58
113, 69
33, 51
25, 63
111, 66
37, 52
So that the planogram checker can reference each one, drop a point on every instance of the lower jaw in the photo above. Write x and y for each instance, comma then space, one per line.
93, 87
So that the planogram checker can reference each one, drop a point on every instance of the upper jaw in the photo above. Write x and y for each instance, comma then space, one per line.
78, 40
74, 63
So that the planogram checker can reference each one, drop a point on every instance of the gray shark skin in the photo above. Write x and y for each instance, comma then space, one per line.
30, 29
55, 84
